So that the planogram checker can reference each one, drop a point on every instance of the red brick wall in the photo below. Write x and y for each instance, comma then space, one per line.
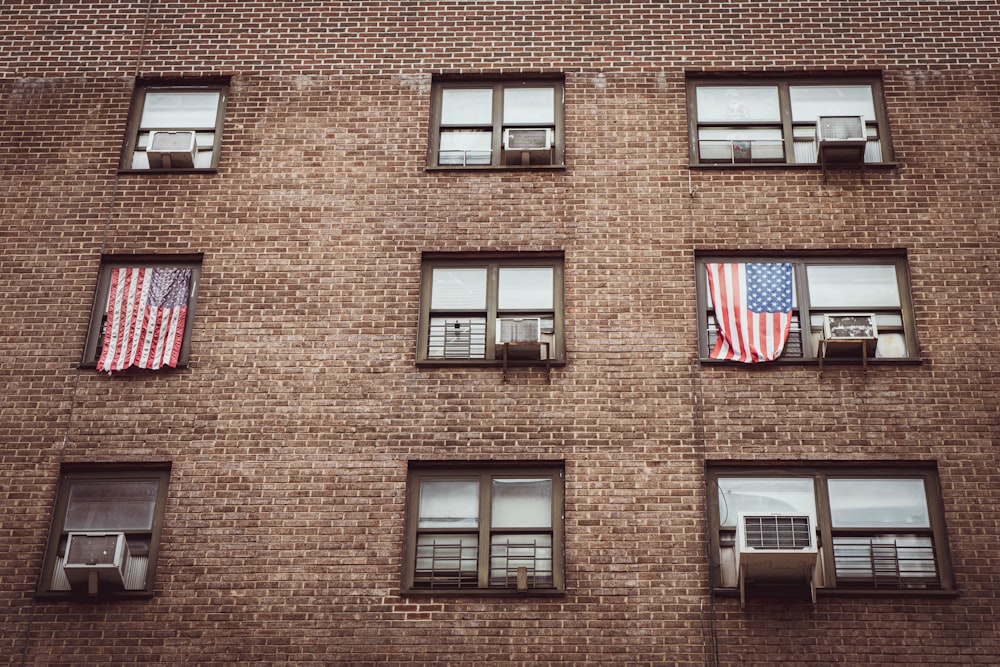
289, 434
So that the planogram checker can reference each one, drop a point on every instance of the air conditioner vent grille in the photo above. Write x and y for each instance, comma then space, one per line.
777, 532
841, 128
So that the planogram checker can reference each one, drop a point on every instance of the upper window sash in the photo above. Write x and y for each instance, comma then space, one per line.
758, 120
470, 307
189, 121
829, 285
482, 124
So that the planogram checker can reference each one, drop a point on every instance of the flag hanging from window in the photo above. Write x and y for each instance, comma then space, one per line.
147, 311
753, 308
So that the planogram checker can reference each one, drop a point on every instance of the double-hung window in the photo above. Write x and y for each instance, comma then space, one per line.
483, 123
143, 313
105, 533
484, 529
175, 127
740, 298
758, 120
878, 527
478, 309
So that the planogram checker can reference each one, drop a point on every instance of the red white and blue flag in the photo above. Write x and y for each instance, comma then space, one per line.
147, 311
753, 308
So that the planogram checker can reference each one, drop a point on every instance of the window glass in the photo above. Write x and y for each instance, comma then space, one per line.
106, 505
738, 103
877, 503
180, 109
765, 495
449, 504
810, 102
466, 147
852, 286
528, 105
466, 106
456, 288
519, 503
525, 288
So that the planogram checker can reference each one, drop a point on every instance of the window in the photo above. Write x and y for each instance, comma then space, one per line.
175, 127
143, 312
478, 124
772, 121
105, 533
878, 527
820, 286
484, 528
478, 309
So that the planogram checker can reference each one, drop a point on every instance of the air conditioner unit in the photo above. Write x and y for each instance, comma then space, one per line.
519, 330
841, 139
172, 150
777, 551
528, 139
850, 326
96, 557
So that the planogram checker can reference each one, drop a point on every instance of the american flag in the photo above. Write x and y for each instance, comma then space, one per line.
753, 308
147, 310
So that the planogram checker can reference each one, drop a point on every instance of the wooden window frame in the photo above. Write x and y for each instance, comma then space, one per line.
802, 309
820, 473
112, 474
142, 88
92, 346
498, 85
492, 263
484, 473
877, 127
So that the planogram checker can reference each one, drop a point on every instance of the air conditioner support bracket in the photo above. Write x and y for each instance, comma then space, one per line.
822, 161
863, 342
543, 356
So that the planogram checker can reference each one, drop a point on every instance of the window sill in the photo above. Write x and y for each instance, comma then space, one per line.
536, 167
133, 370
505, 593
206, 170
54, 596
489, 363
827, 363
862, 592
795, 165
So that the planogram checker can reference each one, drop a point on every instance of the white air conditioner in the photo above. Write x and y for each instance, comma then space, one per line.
776, 549
519, 329
850, 326
172, 150
841, 139
528, 139
94, 557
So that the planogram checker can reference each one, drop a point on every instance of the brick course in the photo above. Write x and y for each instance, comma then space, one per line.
290, 432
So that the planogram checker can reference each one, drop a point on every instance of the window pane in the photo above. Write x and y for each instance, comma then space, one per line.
740, 144
810, 102
765, 495
465, 147
446, 560
876, 503
529, 105
853, 286
532, 552
449, 504
522, 503
743, 103
458, 289
180, 109
525, 288
457, 338
467, 106
109, 505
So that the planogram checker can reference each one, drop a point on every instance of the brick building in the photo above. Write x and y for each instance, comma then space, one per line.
452, 288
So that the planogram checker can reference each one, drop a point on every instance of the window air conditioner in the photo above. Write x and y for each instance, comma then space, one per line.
172, 150
527, 139
841, 139
850, 326
96, 557
519, 330
777, 551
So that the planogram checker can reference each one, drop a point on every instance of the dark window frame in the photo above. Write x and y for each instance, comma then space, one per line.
146, 543
820, 473
484, 472
142, 88
803, 309
877, 127
492, 262
92, 346
498, 160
